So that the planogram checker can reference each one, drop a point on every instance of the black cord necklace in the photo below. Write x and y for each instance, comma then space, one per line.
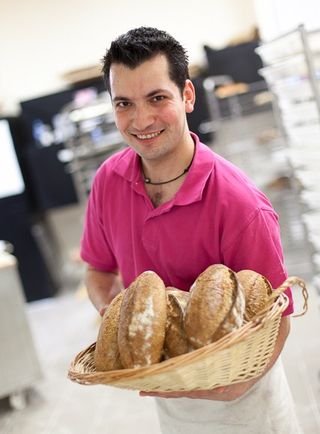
148, 180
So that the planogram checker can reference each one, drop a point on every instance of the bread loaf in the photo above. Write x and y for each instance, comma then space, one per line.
106, 354
176, 342
257, 291
234, 319
213, 299
142, 321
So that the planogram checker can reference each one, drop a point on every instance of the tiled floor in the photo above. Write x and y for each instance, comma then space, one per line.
61, 328
67, 324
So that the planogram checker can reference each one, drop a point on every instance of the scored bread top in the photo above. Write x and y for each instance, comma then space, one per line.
142, 321
106, 354
176, 342
257, 289
211, 299
234, 319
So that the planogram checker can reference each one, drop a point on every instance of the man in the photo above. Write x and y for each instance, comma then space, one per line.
169, 204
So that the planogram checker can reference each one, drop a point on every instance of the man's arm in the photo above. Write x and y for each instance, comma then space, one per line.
229, 393
102, 287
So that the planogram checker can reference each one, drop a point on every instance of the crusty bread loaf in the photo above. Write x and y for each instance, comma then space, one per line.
176, 342
106, 354
212, 298
234, 319
142, 321
257, 289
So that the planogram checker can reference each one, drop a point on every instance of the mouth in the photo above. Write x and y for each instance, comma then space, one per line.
148, 136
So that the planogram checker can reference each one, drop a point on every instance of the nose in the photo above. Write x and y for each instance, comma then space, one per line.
143, 118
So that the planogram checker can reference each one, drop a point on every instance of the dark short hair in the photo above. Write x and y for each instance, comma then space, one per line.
143, 43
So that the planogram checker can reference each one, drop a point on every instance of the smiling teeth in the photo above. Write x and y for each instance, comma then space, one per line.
148, 136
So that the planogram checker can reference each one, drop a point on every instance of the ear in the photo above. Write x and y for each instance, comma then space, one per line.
189, 96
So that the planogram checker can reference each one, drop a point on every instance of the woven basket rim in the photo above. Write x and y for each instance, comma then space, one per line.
237, 336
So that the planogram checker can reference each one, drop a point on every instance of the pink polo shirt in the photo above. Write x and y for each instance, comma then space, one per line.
217, 216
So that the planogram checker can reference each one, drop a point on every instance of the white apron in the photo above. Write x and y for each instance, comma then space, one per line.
267, 408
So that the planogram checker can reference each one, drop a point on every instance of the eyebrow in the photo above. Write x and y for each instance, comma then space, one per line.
155, 92
120, 98
149, 95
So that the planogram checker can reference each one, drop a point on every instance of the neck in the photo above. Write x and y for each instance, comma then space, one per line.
185, 170
171, 168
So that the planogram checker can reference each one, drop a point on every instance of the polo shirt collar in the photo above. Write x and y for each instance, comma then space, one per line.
128, 166
198, 174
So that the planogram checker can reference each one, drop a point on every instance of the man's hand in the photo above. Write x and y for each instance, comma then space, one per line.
102, 287
225, 393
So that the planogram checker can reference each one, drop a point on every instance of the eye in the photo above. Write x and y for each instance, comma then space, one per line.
123, 104
158, 98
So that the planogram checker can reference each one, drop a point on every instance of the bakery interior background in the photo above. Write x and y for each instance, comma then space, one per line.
42, 44
42, 41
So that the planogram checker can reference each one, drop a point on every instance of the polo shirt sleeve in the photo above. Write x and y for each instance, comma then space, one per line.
95, 246
257, 246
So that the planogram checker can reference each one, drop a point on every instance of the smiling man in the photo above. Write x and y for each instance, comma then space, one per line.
168, 203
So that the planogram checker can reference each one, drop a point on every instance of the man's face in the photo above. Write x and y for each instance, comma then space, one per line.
150, 111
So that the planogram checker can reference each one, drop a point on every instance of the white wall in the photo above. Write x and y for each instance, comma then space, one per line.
42, 39
276, 17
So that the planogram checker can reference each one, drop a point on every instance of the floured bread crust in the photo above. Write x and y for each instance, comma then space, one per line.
106, 354
212, 298
257, 289
142, 321
176, 342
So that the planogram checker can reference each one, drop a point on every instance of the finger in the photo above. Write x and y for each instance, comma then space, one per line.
145, 393
220, 389
161, 394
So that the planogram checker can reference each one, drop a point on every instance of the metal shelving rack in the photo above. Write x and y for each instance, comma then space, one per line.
292, 72
91, 137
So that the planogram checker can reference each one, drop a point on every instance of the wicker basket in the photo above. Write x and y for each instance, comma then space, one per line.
238, 356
